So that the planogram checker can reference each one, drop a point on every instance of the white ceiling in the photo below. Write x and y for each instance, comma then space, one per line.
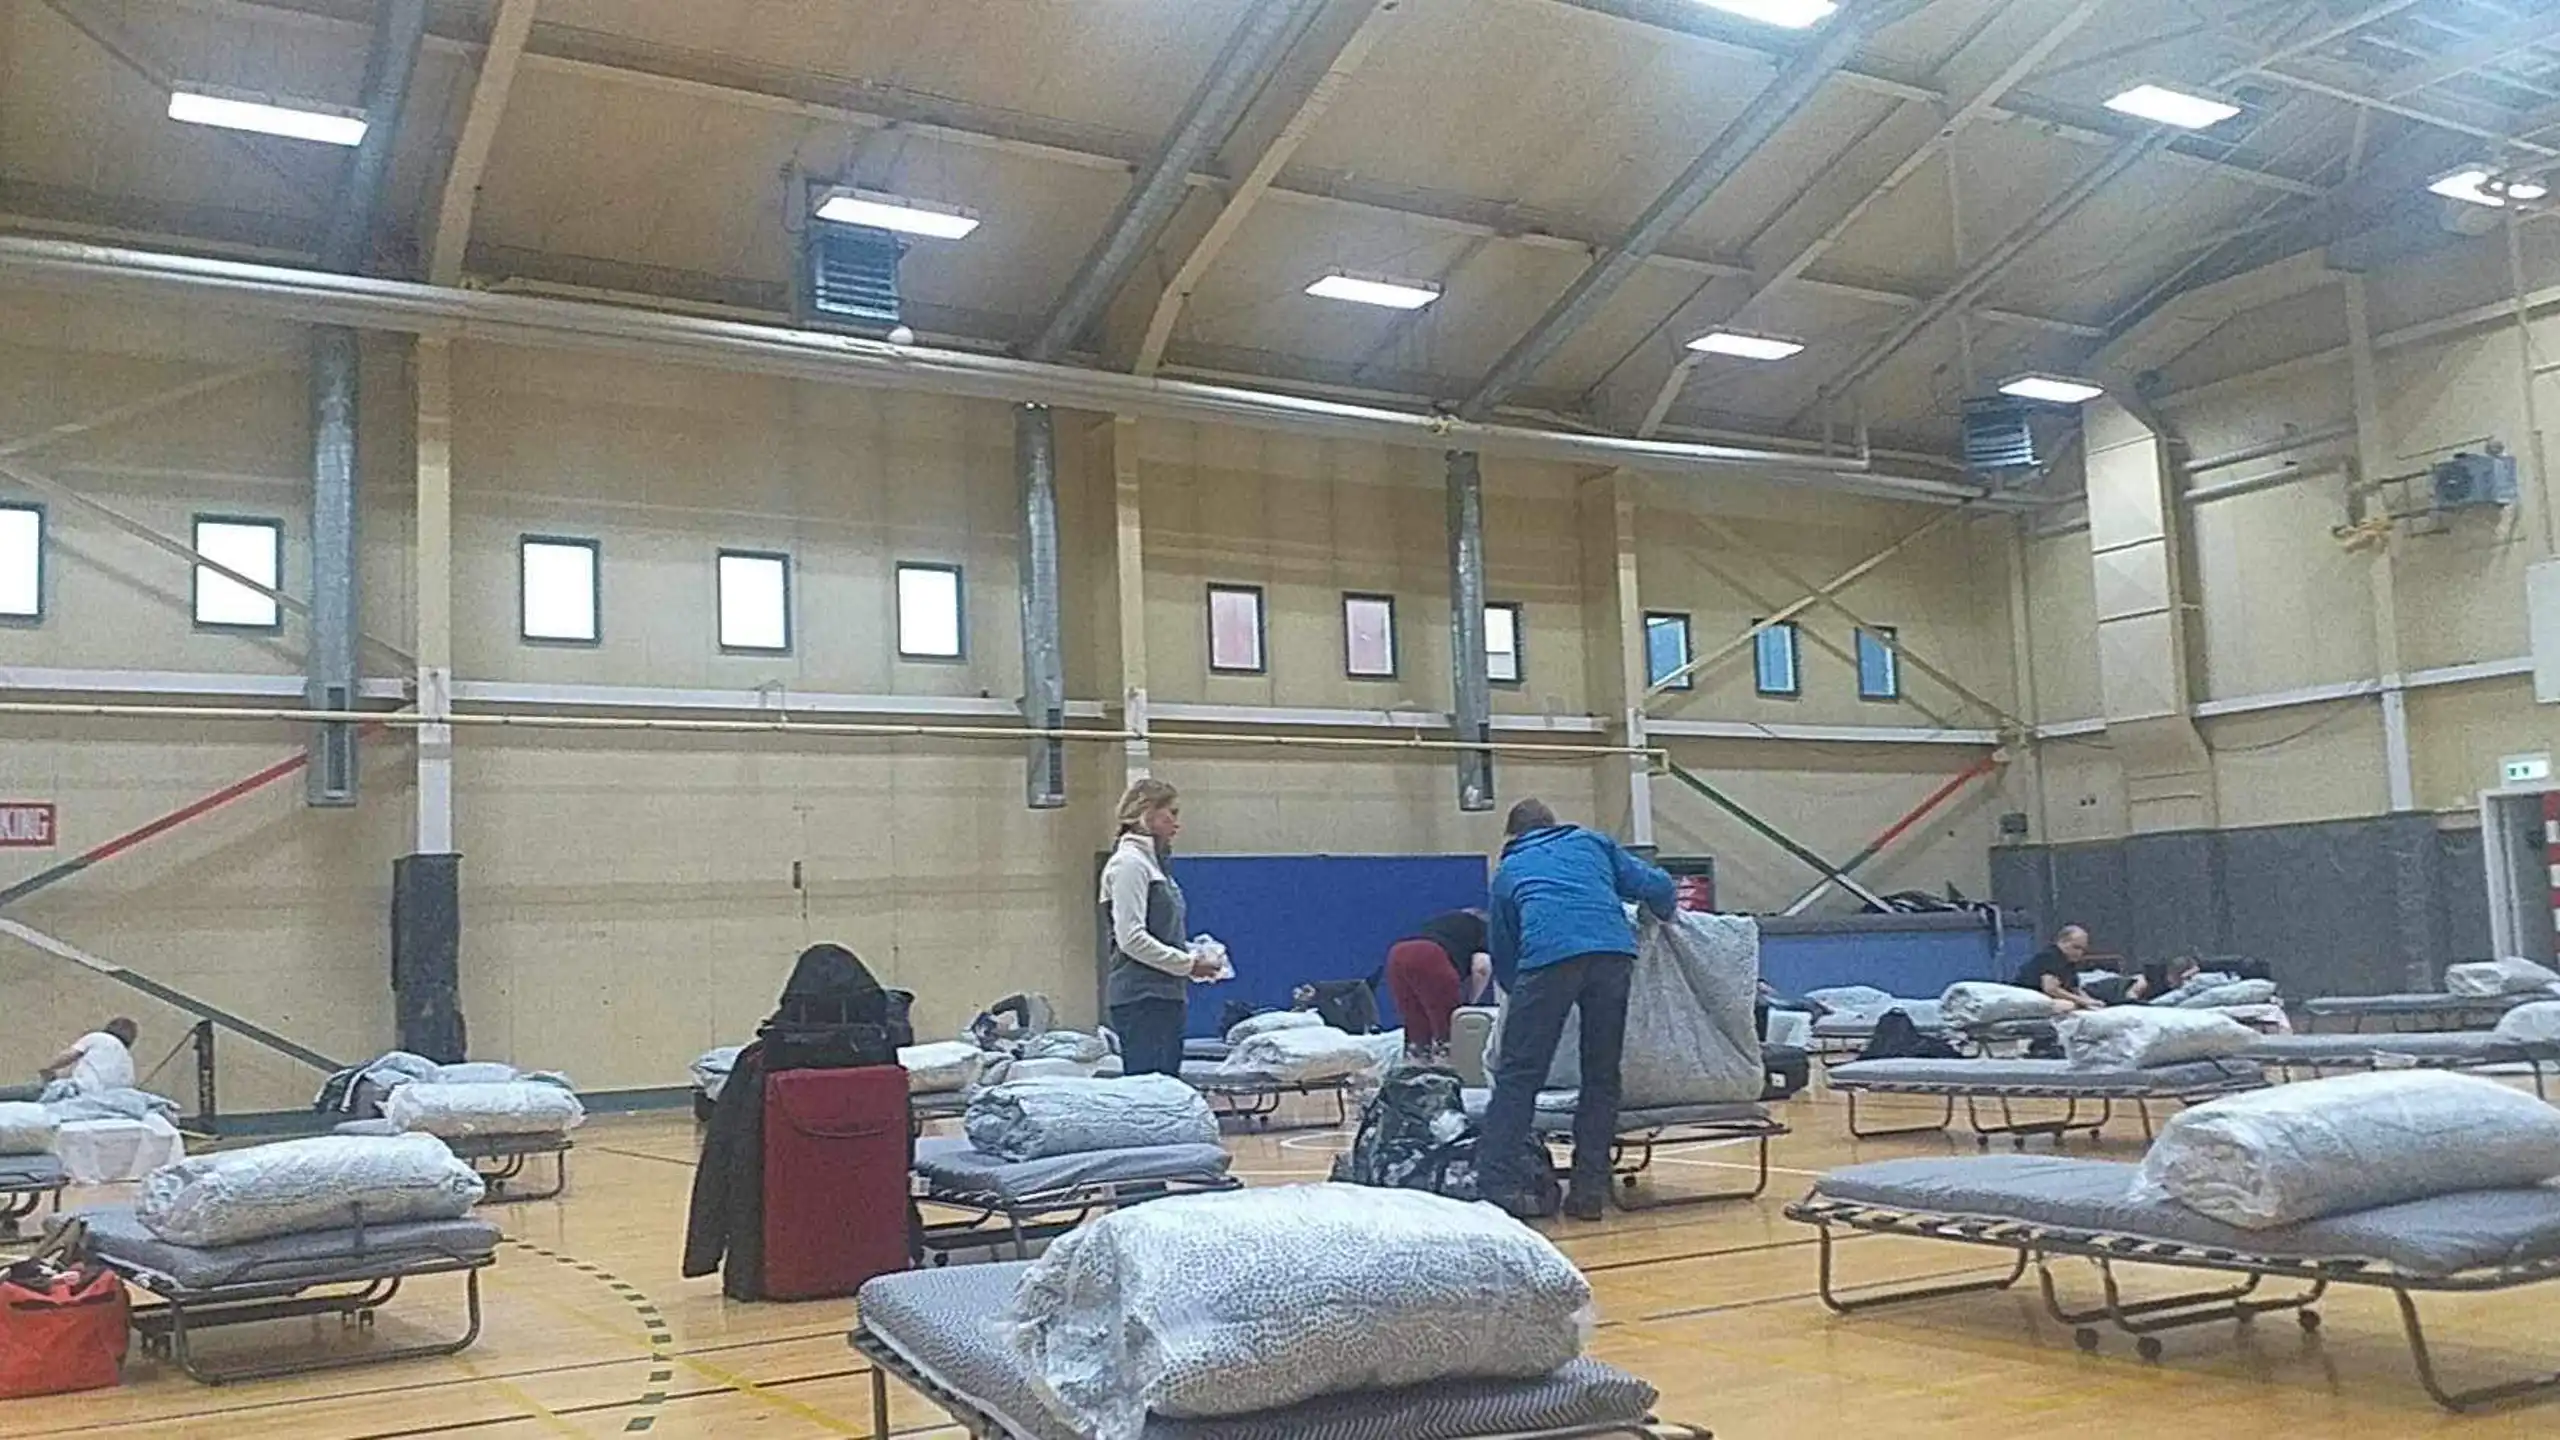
649, 149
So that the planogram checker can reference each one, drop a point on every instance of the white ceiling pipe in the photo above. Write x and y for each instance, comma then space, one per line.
318, 297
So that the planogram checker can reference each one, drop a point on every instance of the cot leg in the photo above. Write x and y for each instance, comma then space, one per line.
1945, 1121
1842, 1305
2458, 1401
2146, 1319
879, 1402
1021, 1244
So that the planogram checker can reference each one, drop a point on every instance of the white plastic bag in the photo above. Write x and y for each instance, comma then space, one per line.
455, 1112
26, 1128
1270, 1020
2129, 1037
1034, 1119
2327, 1147
1206, 947
1215, 1305
1980, 1002
711, 1070
2534, 1023
474, 1072
294, 1187
2511, 976
942, 1066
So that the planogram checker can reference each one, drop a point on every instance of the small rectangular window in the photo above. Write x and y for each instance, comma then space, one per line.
929, 625
1666, 650
1235, 630
1879, 664
1369, 637
21, 562
1502, 653
562, 599
1775, 655
253, 548
755, 601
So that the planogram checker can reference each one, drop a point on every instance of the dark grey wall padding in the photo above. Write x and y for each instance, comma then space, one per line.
2338, 908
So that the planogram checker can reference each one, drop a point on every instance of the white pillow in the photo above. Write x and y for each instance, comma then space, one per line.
456, 1112
2129, 1037
2533, 1023
941, 1066
1269, 1021
2280, 1156
1851, 999
2510, 976
1980, 1002
2228, 993
26, 1128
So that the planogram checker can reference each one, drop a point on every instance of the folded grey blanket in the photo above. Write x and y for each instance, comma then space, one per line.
1034, 1119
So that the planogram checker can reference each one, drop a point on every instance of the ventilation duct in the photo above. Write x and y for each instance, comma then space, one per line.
1999, 436
853, 275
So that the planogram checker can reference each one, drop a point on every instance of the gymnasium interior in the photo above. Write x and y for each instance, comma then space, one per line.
522, 522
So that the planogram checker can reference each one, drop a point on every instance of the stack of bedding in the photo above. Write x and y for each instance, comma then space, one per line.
2494, 979
1217, 1306
1029, 1142
1300, 1053
107, 1137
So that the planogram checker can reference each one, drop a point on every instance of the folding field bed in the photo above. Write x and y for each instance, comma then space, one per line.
1013, 1203
1642, 1132
940, 1333
1841, 1039
2006, 1082
2433, 1010
498, 1159
2038, 1208
25, 1181
349, 1273
1254, 1099
2316, 1055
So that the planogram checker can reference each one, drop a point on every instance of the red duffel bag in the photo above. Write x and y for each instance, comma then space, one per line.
60, 1329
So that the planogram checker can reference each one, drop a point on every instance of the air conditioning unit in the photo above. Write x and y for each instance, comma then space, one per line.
853, 275
1999, 436
2469, 481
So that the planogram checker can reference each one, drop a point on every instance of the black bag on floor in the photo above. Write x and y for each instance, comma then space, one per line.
1790, 1070
1896, 1038
1415, 1135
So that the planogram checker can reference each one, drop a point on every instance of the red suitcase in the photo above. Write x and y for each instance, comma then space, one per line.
836, 1154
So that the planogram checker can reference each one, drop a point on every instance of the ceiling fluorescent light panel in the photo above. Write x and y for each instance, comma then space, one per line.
1392, 294
896, 212
1745, 346
2164, 106
2053, 389
1787, 14
293, 122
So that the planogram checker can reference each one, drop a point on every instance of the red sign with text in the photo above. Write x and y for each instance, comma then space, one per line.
26, 825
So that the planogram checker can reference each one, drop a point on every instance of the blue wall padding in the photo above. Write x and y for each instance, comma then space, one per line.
1914, 964
1291, 919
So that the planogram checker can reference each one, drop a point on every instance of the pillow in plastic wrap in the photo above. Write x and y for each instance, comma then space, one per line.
2534, 1023
2328, 1147
456, 1112
475, 1072
1073, 1045
1270, 1020
1852, 999
942, 1066
2130, 1037
711, 1071
1307, 1055
2227, 994
296, 1187
1213, 1305
2510, 976
1004, 1069
1981, 1002
1693, 1036
26, 1128
1034, 1119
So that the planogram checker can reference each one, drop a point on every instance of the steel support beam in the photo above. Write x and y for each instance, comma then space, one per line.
1129, 566
433, 361
1940, 796
1773, 834
1044, 678
1769, 111
1261, 38
1471, 713
330, 660
2373, 461
509, 29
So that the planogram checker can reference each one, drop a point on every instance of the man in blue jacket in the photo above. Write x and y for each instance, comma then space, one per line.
1560, 941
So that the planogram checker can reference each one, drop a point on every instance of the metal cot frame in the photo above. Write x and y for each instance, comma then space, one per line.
886, 1362
2447, 1010
17, 1202
2038, 1244
2539, 1059
1255, 1100
2071, 1121
500, 1159
1631, 1155
165, 1328
995, 1220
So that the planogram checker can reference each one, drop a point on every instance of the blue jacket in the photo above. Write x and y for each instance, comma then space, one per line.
1560, 893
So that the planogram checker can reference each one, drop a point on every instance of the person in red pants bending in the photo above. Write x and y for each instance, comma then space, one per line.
1432, 974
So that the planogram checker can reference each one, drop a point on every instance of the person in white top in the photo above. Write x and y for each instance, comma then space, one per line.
100, 1060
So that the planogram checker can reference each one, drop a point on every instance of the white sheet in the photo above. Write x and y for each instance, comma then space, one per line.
111, 1152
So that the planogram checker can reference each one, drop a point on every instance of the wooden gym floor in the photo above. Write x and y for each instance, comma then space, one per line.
1714, 1305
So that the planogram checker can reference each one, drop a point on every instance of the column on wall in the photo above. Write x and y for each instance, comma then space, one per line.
1471, 714
2373, 461
426, 889
1118, 441
1615, 647
2146, 663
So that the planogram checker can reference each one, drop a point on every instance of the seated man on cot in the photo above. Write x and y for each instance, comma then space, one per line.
97, 1062
2055, 970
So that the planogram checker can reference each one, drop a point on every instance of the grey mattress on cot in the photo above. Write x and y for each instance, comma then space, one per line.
1211, 1048
32, 1172
952, 1167
2441, 1047
949, 1324
467, 1147
1205, 1075
1990, 1076
319, 1258
2431, 1238
2431, 1002
1554, 1115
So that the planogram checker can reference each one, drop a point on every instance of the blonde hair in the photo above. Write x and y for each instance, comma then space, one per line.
1145, 797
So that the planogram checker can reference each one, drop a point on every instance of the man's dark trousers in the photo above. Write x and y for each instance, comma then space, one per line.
1532, 1026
